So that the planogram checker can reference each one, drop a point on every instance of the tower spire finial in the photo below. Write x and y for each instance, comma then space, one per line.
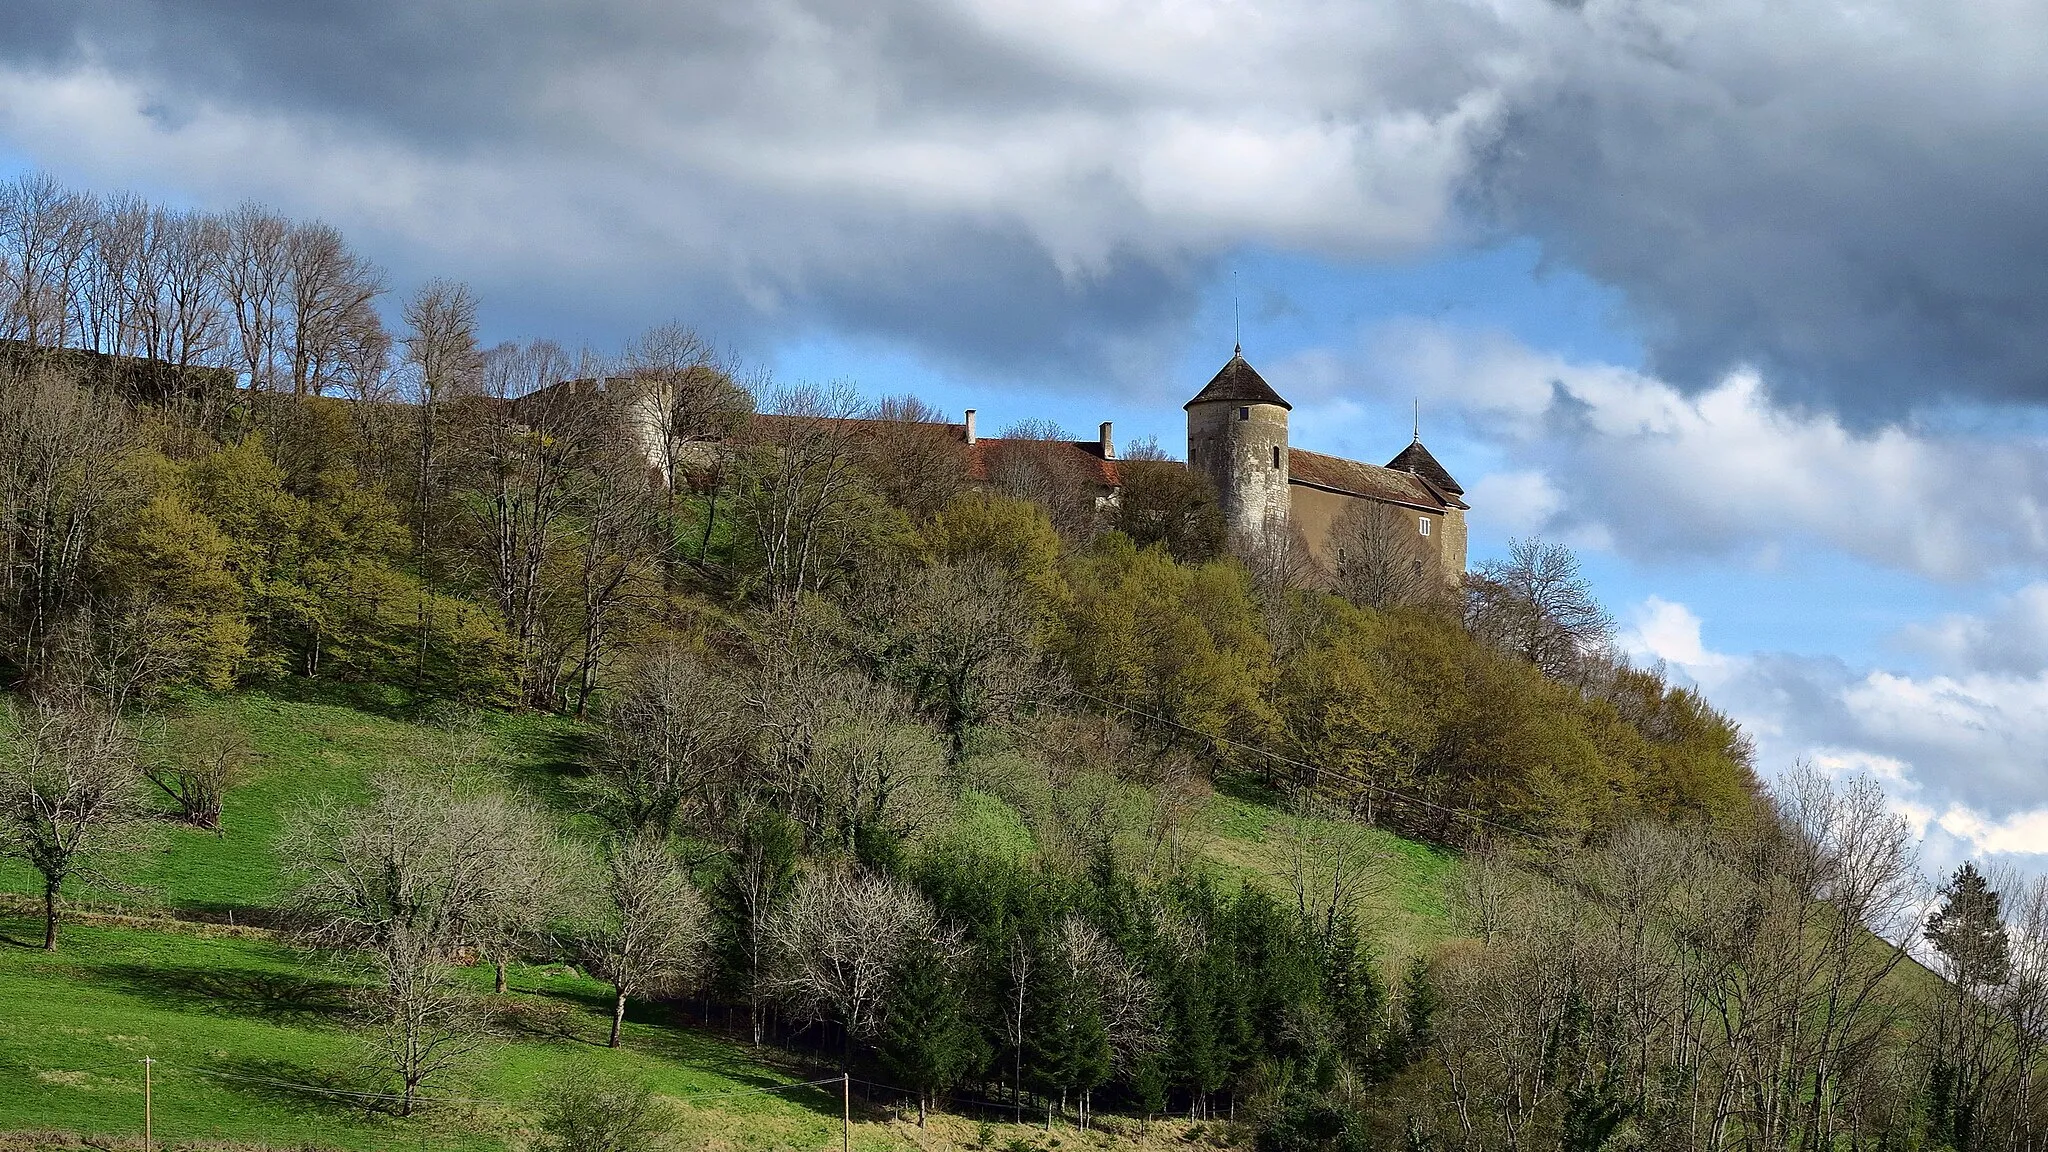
1418, 420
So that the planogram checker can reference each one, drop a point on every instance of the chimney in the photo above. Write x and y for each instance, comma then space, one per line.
1108, 445
970, 427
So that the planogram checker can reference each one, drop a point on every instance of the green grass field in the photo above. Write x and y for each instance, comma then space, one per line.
243, 1025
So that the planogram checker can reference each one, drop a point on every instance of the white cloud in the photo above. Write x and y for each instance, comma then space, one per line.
1960, 756
1726, 471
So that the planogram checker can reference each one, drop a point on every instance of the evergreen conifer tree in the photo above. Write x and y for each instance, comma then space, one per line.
1969, 931
927, 1042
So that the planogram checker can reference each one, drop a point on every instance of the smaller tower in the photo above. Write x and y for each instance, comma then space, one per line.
1450, 542
1237, 436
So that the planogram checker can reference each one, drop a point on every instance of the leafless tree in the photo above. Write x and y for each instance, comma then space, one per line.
1537, 605
655, 924
1036, 460
964, 642
674, 744
44, 232
1331, 869
403, 881
59, 442
178, 305
806, 507
528, 449
913, 455
441, 351
838, 939
70, 799
1381, 563
329, 293
204, 754
690, 408
255, 277
1278, 557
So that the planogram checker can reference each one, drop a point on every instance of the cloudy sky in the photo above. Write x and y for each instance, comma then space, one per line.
1747, 300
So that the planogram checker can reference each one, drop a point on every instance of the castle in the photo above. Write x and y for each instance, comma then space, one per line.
1267, 489
1237, 436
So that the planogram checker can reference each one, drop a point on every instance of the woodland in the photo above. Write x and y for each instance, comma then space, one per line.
798, 658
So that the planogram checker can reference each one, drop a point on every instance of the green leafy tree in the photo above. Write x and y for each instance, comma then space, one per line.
927, 1042
1969, 931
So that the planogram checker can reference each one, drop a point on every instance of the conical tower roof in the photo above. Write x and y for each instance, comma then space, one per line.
1415, 458
1238, 383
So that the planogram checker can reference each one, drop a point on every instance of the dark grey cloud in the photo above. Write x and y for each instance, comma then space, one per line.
1035, 187
1844, 196
1841, 195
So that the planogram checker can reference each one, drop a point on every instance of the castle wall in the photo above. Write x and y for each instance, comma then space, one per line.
1239, 456
1315, 512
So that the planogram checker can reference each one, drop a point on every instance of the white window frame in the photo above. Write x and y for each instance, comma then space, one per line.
1424, 522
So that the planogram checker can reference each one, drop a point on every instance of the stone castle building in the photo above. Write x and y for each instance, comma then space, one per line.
1237, 436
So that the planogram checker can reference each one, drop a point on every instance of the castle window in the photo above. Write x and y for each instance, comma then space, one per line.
1276, 455
1244, 413
1425, 525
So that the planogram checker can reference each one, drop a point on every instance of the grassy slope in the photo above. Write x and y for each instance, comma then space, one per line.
73, 1027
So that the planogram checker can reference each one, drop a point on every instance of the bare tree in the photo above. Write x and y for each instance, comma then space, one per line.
441, 350
1036, 460
1330, 867
44, 232
70, 799
255, 277
529, 455
963, 641
655, 924
329, 292
178, 306
687, 407
1537, 605
1381, 563
205, 754
914, 457
400, 883
673, 745
837, 941
806, 506
59, 441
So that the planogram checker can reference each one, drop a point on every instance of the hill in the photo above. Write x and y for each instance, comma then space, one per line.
252, 1036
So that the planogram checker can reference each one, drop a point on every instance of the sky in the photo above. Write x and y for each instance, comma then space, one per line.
1747, 301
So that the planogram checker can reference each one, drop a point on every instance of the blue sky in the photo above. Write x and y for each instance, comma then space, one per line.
1746, 301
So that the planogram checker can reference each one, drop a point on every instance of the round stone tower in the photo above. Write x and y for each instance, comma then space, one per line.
1237, 436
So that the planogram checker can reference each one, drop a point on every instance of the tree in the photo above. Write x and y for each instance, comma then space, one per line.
655, 924
441, 349
837, 941
759, 874
927, 1042
580, 1113
1165, 502
398, 884
673, 743
808, 512
205, 755
329, 291
916, 461
60, 443
70, 803
1537, 605
1381, 563
963, 641
1968, 930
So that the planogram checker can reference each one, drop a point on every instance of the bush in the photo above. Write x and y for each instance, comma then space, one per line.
587, 1114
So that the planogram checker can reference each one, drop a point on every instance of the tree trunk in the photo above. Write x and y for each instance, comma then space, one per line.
499, 987
618, 1016
50, 916
920, 1109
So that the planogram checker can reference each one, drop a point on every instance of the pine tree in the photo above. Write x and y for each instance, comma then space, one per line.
927, 1042
1969, 930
